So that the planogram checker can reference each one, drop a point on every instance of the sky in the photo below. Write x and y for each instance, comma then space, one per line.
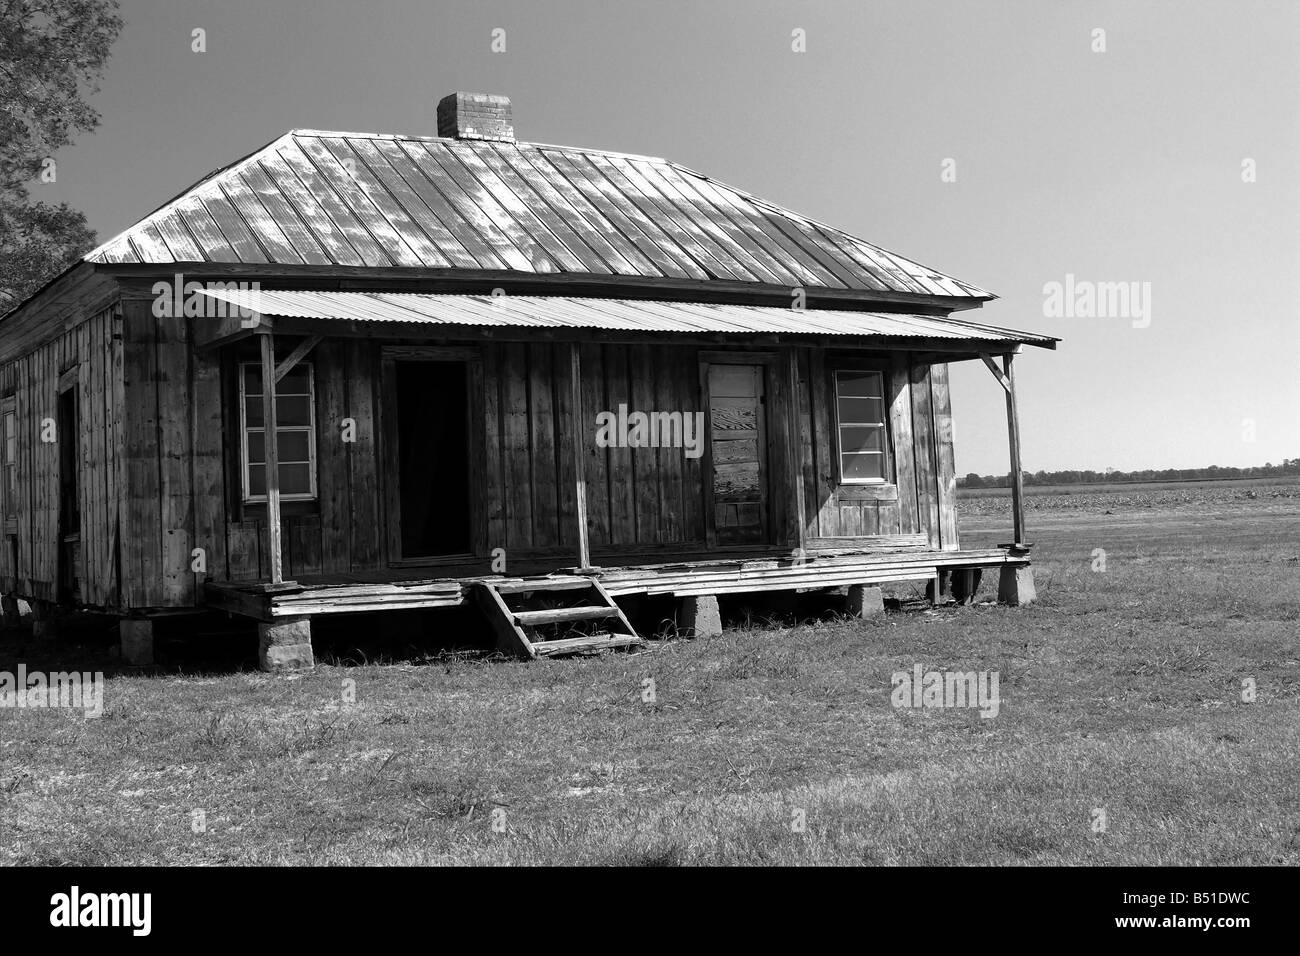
1004, 142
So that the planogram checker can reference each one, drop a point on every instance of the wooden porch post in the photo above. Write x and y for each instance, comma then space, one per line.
579, 445
1013, 435
272, 456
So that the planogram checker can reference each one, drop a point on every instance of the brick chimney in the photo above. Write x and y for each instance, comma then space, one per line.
476, 116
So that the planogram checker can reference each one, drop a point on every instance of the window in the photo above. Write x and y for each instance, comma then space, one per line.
860, 420
295, 429
9, 434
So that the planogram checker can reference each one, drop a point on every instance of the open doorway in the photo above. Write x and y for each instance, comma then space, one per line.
69, 437
431, 406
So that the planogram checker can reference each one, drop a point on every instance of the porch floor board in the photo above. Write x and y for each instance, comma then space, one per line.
408, 589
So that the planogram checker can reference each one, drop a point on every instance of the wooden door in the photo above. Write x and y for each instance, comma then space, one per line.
738, 453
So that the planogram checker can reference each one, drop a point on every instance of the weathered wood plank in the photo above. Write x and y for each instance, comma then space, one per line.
494, 475
900, 425
332, 482
927, 486
946, 476
622, 469
516, 446
595, 458
668, 388
541, 448
367, 531
571, 511
821, 400
175, 448
645, 463
208, 473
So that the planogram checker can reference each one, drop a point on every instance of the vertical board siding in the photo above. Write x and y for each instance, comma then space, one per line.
363, 461
595, 457
141, 518
175, 450
946, 476
517, 474
925, 461
807, 445
622, 474
208, 472
541, 447
635, 496
900, 420
333, 488
31, 564
645, 461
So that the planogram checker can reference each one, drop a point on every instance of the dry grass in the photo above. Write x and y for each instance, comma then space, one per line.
1121, 692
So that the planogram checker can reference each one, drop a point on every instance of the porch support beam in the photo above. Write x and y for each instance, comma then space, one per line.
1013, 440
579, 458
296, 356
272, 458
997, 372
215, 333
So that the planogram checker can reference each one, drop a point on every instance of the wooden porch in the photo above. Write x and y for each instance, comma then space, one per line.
409, 589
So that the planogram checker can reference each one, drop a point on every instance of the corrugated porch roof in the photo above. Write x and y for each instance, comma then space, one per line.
624, 315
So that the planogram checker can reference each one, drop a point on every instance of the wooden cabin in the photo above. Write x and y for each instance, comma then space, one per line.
538, 378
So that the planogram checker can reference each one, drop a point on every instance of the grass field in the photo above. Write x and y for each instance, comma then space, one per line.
1121, 693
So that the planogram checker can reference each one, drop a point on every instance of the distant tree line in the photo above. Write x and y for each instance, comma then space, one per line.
1289, 466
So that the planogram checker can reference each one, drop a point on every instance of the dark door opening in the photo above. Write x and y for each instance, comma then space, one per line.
433, 458
68, 432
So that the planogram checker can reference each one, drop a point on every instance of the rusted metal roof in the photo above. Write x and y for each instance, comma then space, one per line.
625, 315
362, 199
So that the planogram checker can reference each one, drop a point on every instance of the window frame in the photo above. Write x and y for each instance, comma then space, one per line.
8, 501
884, 453
246, 496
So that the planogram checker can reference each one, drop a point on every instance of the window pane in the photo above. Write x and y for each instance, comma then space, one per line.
294, 381
293, 446
859, 384
256, 480
862, 467
293, 411
295, 479
866, 438
288, 411
862, 410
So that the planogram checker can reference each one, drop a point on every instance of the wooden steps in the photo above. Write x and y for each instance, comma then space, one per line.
593, 643
561, 614
540, 617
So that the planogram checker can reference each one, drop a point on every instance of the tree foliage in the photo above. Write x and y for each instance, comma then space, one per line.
52, 53
1289, 466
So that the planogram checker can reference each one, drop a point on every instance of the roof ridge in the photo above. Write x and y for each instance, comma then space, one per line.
452, 140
